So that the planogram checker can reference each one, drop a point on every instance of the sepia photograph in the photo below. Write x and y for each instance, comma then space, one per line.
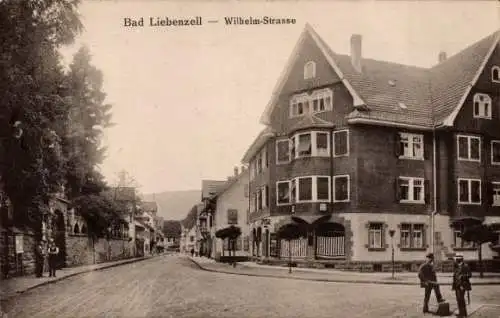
249, 159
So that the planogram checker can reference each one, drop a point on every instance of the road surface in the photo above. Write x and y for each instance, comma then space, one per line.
172, 286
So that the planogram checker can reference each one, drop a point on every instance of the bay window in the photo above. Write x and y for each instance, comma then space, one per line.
341, 188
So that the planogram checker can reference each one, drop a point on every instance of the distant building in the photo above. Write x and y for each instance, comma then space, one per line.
232, 210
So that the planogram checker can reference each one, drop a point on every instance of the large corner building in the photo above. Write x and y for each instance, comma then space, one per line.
357, 149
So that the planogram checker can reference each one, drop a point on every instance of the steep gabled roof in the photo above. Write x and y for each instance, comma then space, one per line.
452, 79
308, 31
402, 94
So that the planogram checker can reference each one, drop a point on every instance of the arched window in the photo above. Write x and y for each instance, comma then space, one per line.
309, 70
76, 229
495, 74
482, 106
84, 229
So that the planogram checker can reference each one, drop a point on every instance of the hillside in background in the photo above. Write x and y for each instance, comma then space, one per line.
174, 205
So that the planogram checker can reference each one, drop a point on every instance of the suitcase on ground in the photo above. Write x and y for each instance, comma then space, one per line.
443, 309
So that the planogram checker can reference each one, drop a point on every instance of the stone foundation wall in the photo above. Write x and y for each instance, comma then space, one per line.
17, 263
82, 251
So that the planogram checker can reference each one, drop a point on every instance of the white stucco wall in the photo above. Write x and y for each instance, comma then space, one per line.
232, 198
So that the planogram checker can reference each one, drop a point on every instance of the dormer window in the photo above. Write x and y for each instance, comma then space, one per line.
482, 106
309, 70
495, 74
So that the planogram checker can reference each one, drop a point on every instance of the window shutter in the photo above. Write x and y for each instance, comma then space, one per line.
397, 144
267, 195
489, 193
384, 233
397, 191
427, 191
425, 229
427, 147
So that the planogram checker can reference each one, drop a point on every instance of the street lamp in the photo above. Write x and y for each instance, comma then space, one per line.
391, 234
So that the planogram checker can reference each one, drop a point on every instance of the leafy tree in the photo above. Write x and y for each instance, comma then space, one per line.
88, 117
172, 228
231, 233
190, 220
33, 100
289, 232
100, 213
479, 234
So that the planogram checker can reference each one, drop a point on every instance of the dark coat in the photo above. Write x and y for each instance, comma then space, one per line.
461, 277
426, 274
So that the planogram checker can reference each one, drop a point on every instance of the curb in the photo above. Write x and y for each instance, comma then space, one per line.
331, 280
57, 279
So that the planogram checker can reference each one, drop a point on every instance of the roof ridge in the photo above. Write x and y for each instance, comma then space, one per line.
466, 49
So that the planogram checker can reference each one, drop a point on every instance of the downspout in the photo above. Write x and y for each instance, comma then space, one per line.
434, 186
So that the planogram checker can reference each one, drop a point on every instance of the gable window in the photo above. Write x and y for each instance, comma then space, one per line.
305, 185
495, 192
495, 151
299, 105
304, 145
323, 188
495, 74
412, 235
282, 151
411, 189
469, 191
482, 106
411, 146
375, 235
341, 187
321, 101
283, 192
341, 143
309, 70
468, 148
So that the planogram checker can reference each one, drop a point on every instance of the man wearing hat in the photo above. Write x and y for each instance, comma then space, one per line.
461, 283
53, 250
428, 280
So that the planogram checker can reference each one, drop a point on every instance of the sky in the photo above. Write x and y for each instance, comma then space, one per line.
187, 100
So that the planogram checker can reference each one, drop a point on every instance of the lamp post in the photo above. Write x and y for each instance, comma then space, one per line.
391, 234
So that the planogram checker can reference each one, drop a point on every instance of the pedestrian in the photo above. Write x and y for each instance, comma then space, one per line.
428, 281
192, 252
461, 283
53, 251
40, 254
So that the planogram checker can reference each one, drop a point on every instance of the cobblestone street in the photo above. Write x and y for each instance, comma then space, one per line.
172, 286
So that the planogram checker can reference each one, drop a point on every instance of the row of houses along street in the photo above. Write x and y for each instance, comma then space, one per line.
139, 234
369, 159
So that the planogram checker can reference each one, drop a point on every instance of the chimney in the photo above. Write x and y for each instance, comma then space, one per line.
356, 52
235, 171
441, 56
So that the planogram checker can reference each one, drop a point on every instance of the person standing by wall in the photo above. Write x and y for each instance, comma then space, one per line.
461, 283
40, 254
53, 251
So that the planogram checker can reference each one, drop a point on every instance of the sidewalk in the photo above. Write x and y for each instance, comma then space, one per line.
331, 275
17, 285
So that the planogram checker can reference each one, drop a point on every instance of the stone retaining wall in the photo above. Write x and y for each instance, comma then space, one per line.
82, 250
